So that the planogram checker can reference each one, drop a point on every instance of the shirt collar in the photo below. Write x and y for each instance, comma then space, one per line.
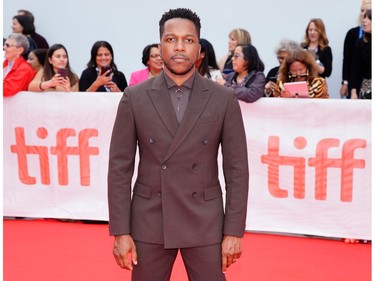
188, 83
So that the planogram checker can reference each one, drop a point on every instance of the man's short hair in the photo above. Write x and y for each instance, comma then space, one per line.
182, 13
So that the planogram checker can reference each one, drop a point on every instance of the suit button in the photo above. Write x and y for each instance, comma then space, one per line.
205, 141
152, 140
163, 167
159, 193
194, 167
194, 194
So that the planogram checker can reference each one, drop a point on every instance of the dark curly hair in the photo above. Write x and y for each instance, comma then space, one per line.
304, 57
182, 13
146, 53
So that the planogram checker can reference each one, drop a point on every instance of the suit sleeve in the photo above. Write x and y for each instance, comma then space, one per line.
121, 168
235, 167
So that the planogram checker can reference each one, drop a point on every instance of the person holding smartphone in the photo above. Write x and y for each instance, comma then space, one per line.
101, 74
300, 66
282, 50
57, 75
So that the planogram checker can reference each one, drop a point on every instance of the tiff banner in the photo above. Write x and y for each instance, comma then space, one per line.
309, 161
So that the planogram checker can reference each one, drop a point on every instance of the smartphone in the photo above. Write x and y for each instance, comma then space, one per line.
273, 79
227, 71
105, 69
63, 72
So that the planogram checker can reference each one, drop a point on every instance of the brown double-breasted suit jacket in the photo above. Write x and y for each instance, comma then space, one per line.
177, 198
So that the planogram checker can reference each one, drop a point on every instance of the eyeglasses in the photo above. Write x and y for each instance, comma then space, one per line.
155, 56
280, 58
236, 56
9, 45
294, 76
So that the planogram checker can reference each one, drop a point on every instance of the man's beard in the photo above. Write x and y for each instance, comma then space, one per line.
179, 73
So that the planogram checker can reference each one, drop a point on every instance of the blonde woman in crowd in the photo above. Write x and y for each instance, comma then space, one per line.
351, 38
360, 77
316, 42
236, 36
56, 74
301, 66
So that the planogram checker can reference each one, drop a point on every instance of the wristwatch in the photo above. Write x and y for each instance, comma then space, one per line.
344, 82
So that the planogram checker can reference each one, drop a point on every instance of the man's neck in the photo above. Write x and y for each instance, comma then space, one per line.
179, 79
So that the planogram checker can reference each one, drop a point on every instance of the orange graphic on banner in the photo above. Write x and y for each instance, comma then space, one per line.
61, 150
321, 162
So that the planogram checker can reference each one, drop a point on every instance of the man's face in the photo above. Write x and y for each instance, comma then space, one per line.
179, 46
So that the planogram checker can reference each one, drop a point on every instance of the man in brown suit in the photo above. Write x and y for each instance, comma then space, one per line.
178, 120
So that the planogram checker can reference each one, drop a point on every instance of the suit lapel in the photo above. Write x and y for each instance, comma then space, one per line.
159, 96
198, 100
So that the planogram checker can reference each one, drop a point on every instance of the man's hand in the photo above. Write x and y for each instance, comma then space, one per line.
123, 247
231, 249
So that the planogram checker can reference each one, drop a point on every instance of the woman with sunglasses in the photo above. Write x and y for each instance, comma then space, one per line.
299, 66
17, 72
248, 79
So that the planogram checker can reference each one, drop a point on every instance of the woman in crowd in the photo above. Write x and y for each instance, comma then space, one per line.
316, 42
206, 62
351, 38
101, 74
56, 75
37, 59
17, 72
282, 50
248, 79
154, 65
360, 77
236, 36
40, 41
24, 25
301, 66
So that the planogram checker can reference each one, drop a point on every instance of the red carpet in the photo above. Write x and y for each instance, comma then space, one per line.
48, 250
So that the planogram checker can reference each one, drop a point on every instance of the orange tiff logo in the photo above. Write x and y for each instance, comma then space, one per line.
61, 151
321, 162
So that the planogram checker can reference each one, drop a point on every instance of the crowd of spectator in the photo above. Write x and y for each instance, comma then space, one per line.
241, 68
30, 64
